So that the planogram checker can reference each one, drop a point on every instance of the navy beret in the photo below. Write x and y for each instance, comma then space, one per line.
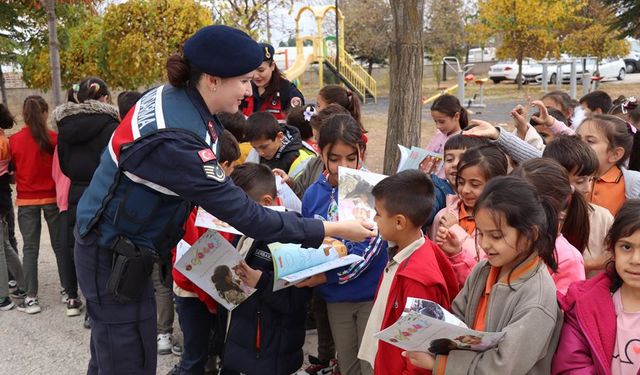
223, 51
267, 51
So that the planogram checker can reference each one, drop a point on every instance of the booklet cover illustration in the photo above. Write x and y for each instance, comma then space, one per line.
425, 324
210, 264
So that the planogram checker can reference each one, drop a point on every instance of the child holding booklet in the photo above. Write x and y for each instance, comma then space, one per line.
418, 268
511, 291
348, 291
266, 331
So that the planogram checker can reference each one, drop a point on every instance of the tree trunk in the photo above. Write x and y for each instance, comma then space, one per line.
3, 88
405, 75
54, 52
519, 75
370, 67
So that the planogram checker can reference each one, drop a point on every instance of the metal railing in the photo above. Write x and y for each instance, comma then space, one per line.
355, 74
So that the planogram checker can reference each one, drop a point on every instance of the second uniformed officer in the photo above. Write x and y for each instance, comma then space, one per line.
271, 91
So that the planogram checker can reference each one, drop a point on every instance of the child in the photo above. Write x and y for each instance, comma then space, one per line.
32, 156
229, 152
511, 291
196, 309
602, 314
582, 164
236, 123
336, 94
9, 260
348, 291
552, 182
454, 148
454, 228
418, 268
569, 107
596, 103
611, 138
314, 167
126, 101
450, 118
278, 146
300, 118
613, 141
266, 332
627, 109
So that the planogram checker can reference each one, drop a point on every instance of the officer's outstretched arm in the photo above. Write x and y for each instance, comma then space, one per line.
177, 160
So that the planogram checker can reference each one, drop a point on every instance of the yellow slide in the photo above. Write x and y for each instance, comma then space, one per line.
299, 66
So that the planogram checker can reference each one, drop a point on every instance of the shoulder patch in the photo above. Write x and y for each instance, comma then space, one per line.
296, 101
206, 155
214, 171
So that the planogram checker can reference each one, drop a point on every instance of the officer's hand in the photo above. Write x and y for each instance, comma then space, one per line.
283, 175
482, 129
247, 275
313, 281
353, 230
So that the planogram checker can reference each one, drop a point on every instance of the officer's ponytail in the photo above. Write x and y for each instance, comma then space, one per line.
180, 72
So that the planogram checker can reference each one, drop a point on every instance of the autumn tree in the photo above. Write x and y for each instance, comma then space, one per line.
627, 14
39, 56
444, 31
589, 34
140, 35
525, 28
405, 76
368, 38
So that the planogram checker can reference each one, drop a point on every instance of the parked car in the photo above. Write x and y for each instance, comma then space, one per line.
508, 70
533, 73
607, 69
632, 62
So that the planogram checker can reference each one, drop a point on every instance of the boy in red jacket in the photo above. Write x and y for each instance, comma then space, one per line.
417, 267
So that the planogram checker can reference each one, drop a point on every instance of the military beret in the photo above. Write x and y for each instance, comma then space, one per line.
267, 51
223, 51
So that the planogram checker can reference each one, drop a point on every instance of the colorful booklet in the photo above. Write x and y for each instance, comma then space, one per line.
355, 200
293, 263
287, 197
206, 220
425, 324
421, 159
210, 264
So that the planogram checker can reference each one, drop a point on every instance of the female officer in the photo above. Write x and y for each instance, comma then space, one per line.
272, 92
159, 163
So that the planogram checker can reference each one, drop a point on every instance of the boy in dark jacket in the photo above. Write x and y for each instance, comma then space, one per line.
279, 146
266, 332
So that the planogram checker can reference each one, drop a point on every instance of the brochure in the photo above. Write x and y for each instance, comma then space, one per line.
210, 264
354, 195
293, 263
206, 220
421, 159
425, 324
287, 197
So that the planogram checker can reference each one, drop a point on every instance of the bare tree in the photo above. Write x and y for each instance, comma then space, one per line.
54, 51
405, 75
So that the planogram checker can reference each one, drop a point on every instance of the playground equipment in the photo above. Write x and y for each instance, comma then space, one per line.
462, 73
341, 63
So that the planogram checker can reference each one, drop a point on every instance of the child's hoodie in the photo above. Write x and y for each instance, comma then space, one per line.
357, 282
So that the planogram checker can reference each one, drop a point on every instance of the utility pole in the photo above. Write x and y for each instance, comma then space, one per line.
268, 24
337, 40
